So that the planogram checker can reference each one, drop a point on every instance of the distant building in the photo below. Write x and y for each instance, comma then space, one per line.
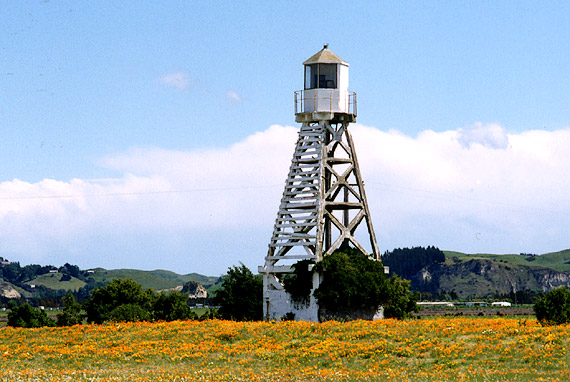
476, 303
5, 262
501, 303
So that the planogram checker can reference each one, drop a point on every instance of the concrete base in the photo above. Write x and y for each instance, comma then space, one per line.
379, 315
278, 305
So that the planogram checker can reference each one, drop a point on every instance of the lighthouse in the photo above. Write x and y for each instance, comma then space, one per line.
324, 206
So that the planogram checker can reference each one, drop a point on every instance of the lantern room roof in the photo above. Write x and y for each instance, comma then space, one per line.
325, 56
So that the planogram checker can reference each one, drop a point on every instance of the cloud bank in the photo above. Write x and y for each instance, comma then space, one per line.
475, 189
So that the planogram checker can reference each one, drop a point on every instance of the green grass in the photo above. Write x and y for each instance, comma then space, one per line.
145, 278
157, 279
53, 281
204, 280
559, 261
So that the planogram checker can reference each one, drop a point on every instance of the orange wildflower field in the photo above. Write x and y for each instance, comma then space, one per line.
439, 349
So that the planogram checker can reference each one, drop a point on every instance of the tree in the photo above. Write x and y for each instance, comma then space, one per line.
407, 262
24, 316
352, 286
11, 272
172, 306
71, 270
401, 301
129, 313
118, 292
71, 314
241, 295
554, 307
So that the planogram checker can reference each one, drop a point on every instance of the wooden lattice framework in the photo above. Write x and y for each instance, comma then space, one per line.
323, 207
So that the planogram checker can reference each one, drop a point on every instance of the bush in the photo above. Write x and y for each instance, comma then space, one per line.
241, 295
119, 292
172, 306
554, 307
299, 284
24, 316
353, 285
71, 314
210, 314
401, 301
129, 313
125, 300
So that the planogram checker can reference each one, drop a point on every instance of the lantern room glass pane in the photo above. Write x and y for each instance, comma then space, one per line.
321, 76
308, 76
327, 76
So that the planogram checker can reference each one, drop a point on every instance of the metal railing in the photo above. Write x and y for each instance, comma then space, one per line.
325, 100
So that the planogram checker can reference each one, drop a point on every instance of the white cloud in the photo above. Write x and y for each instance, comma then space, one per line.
179, 80
492, 136
433, 189
208, 209
233, 97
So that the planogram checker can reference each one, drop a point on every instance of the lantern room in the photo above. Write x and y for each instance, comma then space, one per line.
325, 70
325, 88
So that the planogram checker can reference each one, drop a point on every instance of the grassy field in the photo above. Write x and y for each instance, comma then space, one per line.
442, 349
53, 281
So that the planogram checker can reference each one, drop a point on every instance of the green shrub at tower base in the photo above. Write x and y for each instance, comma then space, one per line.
354, 286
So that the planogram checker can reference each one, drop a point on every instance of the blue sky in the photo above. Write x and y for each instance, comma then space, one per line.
158, 134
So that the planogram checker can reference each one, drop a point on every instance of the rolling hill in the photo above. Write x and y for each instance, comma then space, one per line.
49, 284
56, 281
559, 261
157, 279
466, 275
481, 275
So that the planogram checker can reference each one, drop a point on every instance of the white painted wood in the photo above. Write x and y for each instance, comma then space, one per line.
324, 179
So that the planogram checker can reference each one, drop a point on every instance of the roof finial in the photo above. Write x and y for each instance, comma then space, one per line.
326, 46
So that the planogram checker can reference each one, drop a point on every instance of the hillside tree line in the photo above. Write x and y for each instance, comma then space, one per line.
122, 300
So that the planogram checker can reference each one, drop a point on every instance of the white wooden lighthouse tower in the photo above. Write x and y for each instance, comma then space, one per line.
324, 205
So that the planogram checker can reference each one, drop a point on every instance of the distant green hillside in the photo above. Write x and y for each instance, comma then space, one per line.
481, 274
47, 284
559, 261
53, 281
157, 279
204, 280
466, 275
